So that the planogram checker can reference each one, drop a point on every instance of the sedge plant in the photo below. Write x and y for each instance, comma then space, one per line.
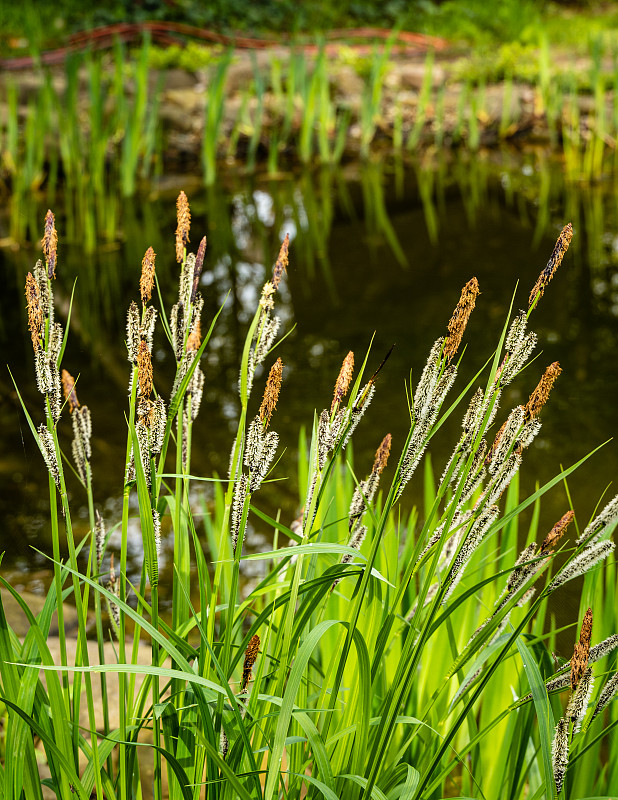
384, 653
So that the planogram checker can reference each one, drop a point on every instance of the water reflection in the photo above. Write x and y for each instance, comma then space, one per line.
382, 248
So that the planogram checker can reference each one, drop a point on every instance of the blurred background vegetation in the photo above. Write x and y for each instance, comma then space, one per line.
482, 23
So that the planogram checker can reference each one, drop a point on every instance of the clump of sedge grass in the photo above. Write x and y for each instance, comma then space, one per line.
384, 654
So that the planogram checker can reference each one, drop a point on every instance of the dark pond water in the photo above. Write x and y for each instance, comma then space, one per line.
378, 251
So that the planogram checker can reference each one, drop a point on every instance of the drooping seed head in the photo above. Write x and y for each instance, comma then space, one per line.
271, 392
197, 269
146, 281
35, 313
579, 660
282, 261
144, 370
557, 531
562, 245
461, 315
50, 244
68, 388
183, 218
540, 395
343, 381
251, 654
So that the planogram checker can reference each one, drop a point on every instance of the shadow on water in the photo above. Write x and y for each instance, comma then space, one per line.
380, 247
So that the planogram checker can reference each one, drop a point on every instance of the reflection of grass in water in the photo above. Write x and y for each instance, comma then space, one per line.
101, 220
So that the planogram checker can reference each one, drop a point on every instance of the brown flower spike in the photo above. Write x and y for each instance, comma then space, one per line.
146, 281
144, 370
68, 387
382, 455
183, 217
461, 315
50, 244
540, 395
282, 261
343, 381
194, 339
251, 654
197, 270
271, 392
557, 532
35, 313
579, 661
562, 245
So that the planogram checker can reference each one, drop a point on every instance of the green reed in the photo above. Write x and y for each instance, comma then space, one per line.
383, 652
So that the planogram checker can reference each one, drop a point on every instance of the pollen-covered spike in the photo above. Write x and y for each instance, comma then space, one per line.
178, 314
461, 315
269, 332
133, 332
197, 269
185, 284
523, 568
578, 705
606, 517
560, 248
82, 428
505, 439
516, 333
55, 393
49, 243
148, 325
156, 524
42, 370
282, 261
183, 219
141, 432
157, 427
99, 537
557, 532
540, 395
271, 392
196, 389
146, 281
560, 752
112, 586
518, 358
582, 563
238, 502
48, 451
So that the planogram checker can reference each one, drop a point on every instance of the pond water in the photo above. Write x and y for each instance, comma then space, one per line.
376, 251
